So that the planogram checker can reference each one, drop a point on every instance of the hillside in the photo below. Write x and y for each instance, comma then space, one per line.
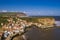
12, 14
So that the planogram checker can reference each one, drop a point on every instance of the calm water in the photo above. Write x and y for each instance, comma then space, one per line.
43, 34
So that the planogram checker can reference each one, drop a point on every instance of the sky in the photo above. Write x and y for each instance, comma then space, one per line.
32, 7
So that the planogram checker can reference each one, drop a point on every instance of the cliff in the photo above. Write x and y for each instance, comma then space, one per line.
12, 14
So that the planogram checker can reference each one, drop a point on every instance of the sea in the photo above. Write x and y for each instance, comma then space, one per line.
45, 34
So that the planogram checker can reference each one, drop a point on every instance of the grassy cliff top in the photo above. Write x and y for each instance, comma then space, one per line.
11, 13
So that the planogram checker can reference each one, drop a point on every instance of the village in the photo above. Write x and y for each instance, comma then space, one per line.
19, 25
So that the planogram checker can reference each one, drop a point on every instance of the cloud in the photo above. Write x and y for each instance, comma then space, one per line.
4, 11
44, 12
